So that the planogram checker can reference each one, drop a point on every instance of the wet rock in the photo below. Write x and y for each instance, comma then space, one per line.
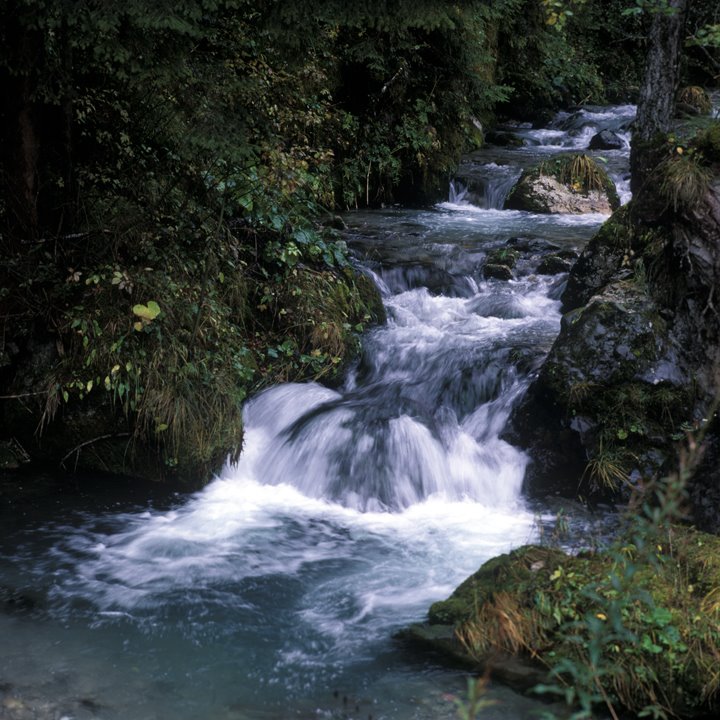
502, 138
573, 184
635, 361
497, 272
532, 245
513, 616
606, 140
602, 258
15, 602
553, 265
503, 256
604, 384
546, 195
335, 222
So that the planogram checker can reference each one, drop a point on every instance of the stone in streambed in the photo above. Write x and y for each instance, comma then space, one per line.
497, 272
573, 184
606, 140
553, 265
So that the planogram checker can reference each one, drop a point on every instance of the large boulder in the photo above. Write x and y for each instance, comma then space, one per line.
566, 184
537, 609
636, 362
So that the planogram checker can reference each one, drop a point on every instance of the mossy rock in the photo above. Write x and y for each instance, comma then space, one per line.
614, 381
599, 261
497, 272
553, 265
540, 604
503, 256
567, 184
512, 570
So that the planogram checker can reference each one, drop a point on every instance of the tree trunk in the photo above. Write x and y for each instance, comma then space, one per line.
21, 142
656, 104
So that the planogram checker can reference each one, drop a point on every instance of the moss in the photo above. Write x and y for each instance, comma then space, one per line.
616, 232
582, 174
505, 572
539, 603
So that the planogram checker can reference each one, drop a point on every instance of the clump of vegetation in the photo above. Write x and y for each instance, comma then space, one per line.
160, 347
696, 98
685, 180
635, 625
707, 142
581, 173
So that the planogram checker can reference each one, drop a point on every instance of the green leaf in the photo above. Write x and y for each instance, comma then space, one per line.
147, 312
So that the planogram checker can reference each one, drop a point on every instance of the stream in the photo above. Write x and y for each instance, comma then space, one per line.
275, 592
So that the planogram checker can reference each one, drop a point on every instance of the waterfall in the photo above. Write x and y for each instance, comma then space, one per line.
351, 509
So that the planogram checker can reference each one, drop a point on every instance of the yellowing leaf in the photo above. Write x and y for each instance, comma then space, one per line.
147, 312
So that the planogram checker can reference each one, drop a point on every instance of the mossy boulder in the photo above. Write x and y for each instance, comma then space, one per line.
497, 272
612, 391
654, 619
554, 265
567, 184
635, 363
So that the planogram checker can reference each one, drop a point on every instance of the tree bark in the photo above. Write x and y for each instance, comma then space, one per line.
656, 104
20, 150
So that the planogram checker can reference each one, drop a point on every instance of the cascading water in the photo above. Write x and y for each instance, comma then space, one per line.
275, 592
485, 177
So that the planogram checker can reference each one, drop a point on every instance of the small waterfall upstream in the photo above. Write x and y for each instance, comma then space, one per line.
275, 591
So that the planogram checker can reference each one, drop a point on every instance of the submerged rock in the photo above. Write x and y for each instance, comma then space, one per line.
498, 272
554, 265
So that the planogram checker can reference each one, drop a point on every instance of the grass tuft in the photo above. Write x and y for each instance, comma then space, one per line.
684, 181
696, 98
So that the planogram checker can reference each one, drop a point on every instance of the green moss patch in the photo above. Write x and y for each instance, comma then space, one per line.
648, 632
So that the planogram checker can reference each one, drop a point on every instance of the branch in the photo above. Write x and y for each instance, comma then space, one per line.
79, 447
21, 395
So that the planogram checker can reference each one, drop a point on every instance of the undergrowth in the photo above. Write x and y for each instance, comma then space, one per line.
635, 626
578, 171
161, 338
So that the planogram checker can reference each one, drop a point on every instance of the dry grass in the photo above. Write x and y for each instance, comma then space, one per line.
695, 97
684, 181
502, 624
605, 471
